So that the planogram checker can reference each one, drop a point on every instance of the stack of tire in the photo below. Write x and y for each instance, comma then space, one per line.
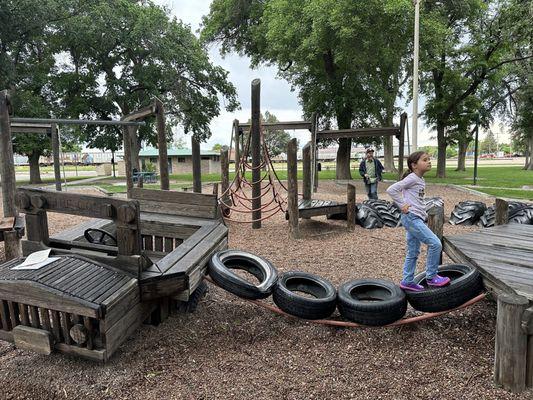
467, 212
519, 213
372, 302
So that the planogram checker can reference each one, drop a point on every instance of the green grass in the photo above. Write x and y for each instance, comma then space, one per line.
508, 193
52, 180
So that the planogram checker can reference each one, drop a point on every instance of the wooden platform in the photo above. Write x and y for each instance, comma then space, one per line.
313, 208
503, 254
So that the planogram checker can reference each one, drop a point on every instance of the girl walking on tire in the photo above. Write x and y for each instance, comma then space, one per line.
408, 194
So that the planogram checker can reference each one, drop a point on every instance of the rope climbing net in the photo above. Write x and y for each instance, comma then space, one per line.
273, 192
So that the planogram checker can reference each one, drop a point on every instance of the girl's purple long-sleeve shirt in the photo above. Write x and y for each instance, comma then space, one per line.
410, 190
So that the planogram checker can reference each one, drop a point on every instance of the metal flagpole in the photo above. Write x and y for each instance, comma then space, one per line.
415, 77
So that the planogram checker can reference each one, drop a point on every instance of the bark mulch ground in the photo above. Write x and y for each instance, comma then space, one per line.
230, 348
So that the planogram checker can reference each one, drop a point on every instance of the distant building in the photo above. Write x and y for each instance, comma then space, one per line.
179, 161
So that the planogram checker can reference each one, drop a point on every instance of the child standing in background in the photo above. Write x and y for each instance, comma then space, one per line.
408, 194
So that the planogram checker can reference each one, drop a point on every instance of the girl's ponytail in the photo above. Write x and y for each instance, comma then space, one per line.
412, 159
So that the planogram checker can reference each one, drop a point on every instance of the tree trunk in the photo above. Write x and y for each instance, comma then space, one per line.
529, 159
35, 173
387, 142
441, 154
344, 121
461, 156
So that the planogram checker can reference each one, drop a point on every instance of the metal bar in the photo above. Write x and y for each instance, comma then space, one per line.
75, 121
476, 149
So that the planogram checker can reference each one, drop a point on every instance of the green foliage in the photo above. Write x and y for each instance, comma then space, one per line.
217, 147
488, 144
149, 167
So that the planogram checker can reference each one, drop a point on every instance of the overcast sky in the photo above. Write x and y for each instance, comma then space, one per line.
276, 94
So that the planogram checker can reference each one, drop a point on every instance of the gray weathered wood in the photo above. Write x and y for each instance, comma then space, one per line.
274, 126
292, 181
355, 133
501, 212
12, 245
55, 154
127, 159
237, 145
32, 339
224, 165
436, 222
307, 172
351, 211
511, 344
196, 165
162, 145
401, 144
7, 167
256, 153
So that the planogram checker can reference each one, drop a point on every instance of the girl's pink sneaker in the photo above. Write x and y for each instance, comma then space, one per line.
413, 287
438, 281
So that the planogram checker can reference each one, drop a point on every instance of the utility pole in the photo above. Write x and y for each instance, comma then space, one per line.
415, 76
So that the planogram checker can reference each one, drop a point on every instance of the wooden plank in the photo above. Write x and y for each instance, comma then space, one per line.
168, 229
173, 197
193, 210
95, 354
56, 325
355, 133
73, 203
4, 316
180, 220
196, 165
45, 319
255, 152
24, 315
158, 243
87, 322
77, 231
36, 294
306, 178
36, 340
6, 223
34, 316
313, 212
274, 126
65, 326
118, 308
13, 313
169, 244
162, 144
173, 257
166, 285
7, 167
351, 208
292, 197
125, 326
147, 242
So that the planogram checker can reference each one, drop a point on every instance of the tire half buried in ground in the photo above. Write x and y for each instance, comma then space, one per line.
465, 284
222, 266
305, 295
373, 302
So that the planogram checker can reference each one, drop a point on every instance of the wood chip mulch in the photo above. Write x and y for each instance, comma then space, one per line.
230, 348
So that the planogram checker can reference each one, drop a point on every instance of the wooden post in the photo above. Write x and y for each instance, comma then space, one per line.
162, 144
196, 166
501, 212
224, 165
314, 152
511, 343
401, 141
292, 181
6, 152
127, 160
256, 154
436, 223
307, 171
350, 207
237, 145
55, 153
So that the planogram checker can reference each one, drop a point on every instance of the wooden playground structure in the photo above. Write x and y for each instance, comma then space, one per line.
97, 292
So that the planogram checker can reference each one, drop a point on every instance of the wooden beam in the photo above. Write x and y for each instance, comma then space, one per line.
18, 127
401, 141
256, 154
307, 171
7, 169
55, 153
127, 160
274, 126
292, 180
141, 113
196, 165
351, 211
314, 152
501, 212
162, 145
354, 133
224, 165
511, 343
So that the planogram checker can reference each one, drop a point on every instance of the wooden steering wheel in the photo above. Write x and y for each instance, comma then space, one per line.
99, 236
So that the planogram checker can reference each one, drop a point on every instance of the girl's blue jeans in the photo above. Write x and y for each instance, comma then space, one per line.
417, 233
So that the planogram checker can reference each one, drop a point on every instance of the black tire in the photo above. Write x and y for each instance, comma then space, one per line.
286, 296
465, 284
373, 302
223, 262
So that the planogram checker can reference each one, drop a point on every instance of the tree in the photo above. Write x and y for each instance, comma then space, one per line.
346, 58
276, 140
466, 47
179, 142
217, 147
488, 145
141, 53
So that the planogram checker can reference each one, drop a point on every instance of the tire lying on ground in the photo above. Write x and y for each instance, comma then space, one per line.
467, 212
320, 302
373, 302
387, 211
222, 264
519, 213
368, 218
465, 284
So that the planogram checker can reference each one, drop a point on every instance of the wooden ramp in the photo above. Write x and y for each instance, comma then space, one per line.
503, 254
313, 208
